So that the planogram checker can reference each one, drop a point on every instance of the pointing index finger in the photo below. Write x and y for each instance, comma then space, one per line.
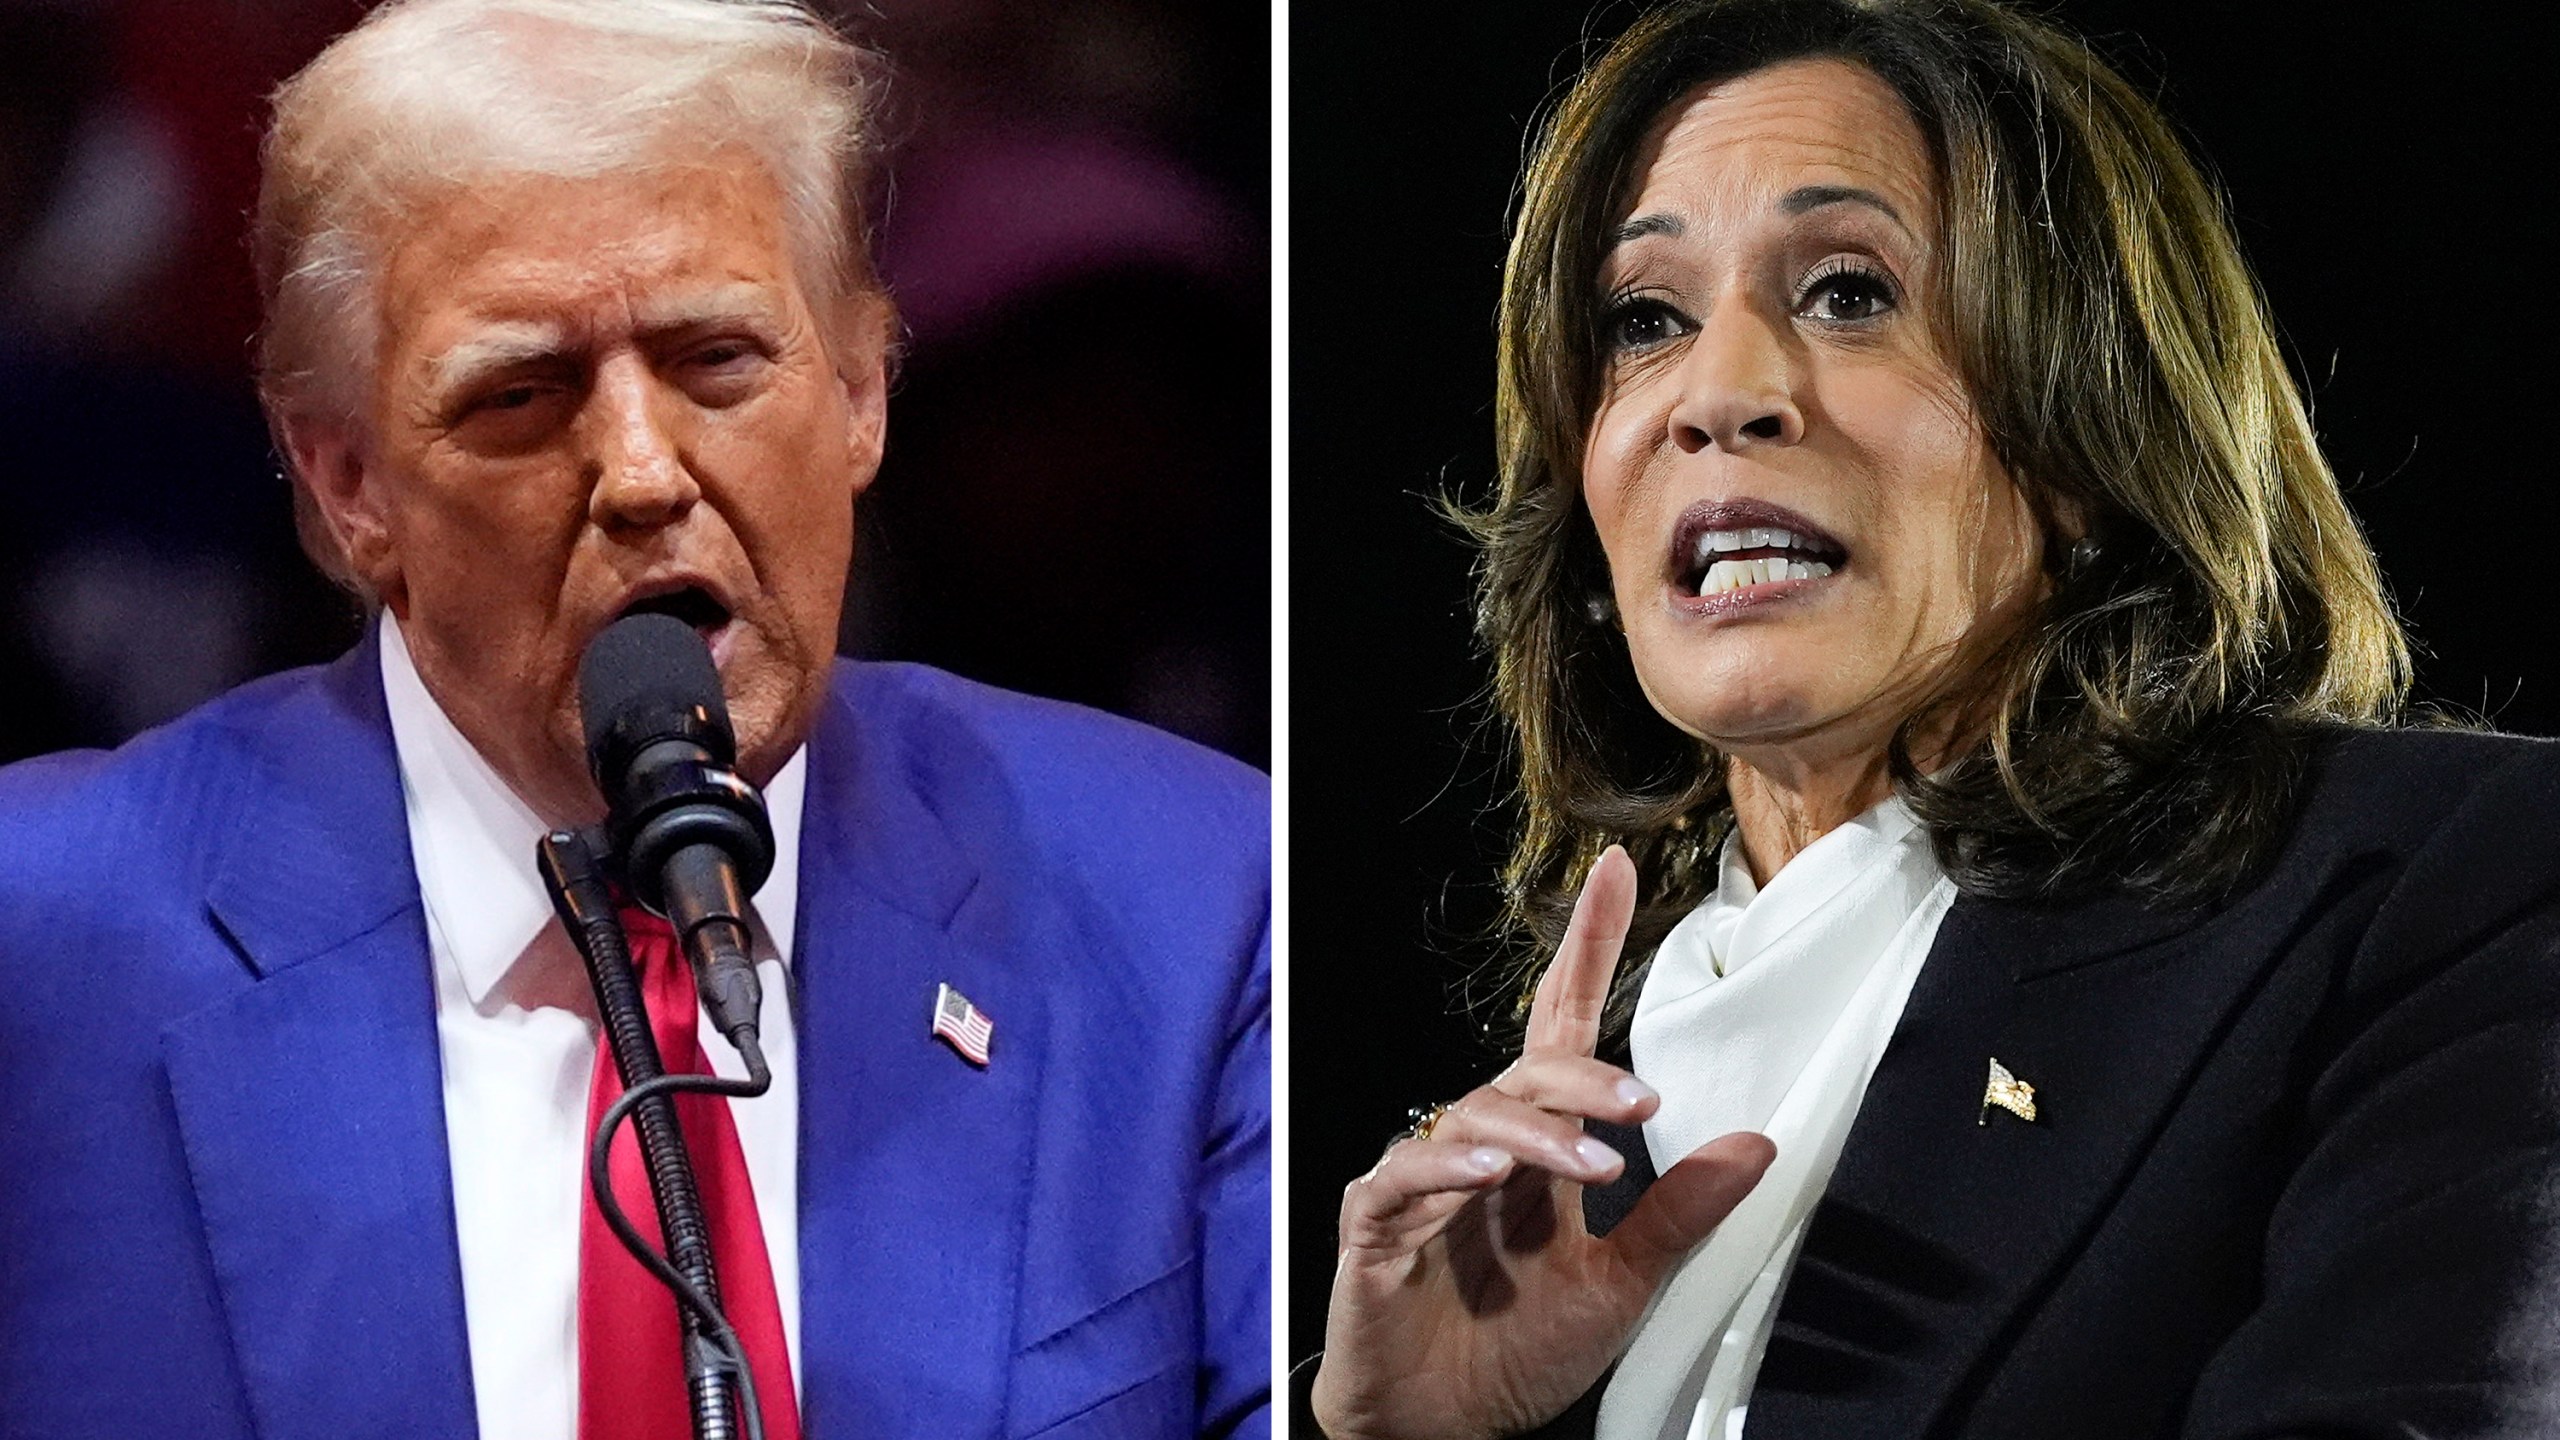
1566, 1012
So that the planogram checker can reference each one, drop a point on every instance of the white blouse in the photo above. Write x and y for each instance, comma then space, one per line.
1766, 1010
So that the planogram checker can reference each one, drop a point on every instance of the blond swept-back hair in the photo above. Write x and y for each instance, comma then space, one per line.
427, 96
2148, 726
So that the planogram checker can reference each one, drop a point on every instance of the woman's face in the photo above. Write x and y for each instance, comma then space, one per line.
1804, 523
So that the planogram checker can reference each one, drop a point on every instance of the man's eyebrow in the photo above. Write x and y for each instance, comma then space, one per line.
1806, 198
493, 350
708, 309
504, 346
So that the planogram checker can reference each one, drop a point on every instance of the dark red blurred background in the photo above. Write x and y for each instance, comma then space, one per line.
1076, 498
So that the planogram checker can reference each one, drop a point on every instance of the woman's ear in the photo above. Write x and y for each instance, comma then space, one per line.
2072, 543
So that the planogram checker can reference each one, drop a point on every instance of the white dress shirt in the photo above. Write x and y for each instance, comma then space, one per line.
516, 1029
1766, 1009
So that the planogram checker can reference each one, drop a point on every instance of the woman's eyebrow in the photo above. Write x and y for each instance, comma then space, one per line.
1642, 225
1802, 199
1813, 197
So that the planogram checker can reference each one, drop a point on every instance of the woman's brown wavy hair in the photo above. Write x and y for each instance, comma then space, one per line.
2148, 726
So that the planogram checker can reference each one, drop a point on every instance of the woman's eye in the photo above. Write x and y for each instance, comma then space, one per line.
1846, 295
1637, 324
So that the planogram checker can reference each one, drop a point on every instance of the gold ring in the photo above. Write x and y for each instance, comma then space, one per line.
1425, 1119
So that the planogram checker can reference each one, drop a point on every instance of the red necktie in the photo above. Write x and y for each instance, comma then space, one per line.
630, 1361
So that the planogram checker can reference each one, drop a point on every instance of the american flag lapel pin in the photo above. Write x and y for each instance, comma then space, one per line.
2007, 1092
963, 1025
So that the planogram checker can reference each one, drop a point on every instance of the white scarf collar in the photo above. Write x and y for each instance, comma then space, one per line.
1766, 1009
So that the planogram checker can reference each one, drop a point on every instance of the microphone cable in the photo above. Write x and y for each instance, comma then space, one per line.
714, 1356
732, 1354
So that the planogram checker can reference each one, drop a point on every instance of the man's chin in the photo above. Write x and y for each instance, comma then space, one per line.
772, 706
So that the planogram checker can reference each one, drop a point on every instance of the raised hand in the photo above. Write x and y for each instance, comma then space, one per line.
1468, 1299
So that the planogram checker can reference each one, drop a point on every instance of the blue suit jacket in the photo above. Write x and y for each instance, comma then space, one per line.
225, 1209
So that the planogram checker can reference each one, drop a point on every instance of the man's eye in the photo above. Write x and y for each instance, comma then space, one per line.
511, 413
725, 355
1641, 324
1847, 294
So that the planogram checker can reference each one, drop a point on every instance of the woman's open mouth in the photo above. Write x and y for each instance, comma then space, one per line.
1733, 552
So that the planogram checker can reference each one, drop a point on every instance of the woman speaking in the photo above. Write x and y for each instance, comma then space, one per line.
1962, 779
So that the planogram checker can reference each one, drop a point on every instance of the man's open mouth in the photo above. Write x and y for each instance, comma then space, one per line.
693, 605
1722, 548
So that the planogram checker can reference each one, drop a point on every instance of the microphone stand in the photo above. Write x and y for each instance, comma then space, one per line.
713, 1358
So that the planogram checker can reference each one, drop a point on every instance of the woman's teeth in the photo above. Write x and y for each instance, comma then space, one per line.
1797, 558
1734, 574
1751, 538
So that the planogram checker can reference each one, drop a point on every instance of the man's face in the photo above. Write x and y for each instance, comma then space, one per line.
600, 393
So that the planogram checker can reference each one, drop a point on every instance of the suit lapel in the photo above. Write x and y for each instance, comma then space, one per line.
310, 1103
1939, 1232
914, 1163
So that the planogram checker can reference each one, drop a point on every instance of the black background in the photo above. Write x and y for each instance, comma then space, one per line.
2391, 179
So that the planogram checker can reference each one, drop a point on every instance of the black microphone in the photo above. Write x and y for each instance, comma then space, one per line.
691, 834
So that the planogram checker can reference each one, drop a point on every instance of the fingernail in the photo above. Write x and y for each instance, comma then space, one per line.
1632, 1091
1593, 1154
1485, 1160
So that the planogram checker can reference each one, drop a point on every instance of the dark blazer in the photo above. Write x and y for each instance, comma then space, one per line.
2288, 1171
227, 1213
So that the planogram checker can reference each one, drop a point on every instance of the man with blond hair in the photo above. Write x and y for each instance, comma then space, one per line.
569, 315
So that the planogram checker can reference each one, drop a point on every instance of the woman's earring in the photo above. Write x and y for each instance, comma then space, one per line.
1599, 608
2083, 556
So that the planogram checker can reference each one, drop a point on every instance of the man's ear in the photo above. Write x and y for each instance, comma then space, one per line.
342, 501
866, 326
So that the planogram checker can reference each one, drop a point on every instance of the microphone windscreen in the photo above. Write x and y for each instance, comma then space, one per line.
648, 677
